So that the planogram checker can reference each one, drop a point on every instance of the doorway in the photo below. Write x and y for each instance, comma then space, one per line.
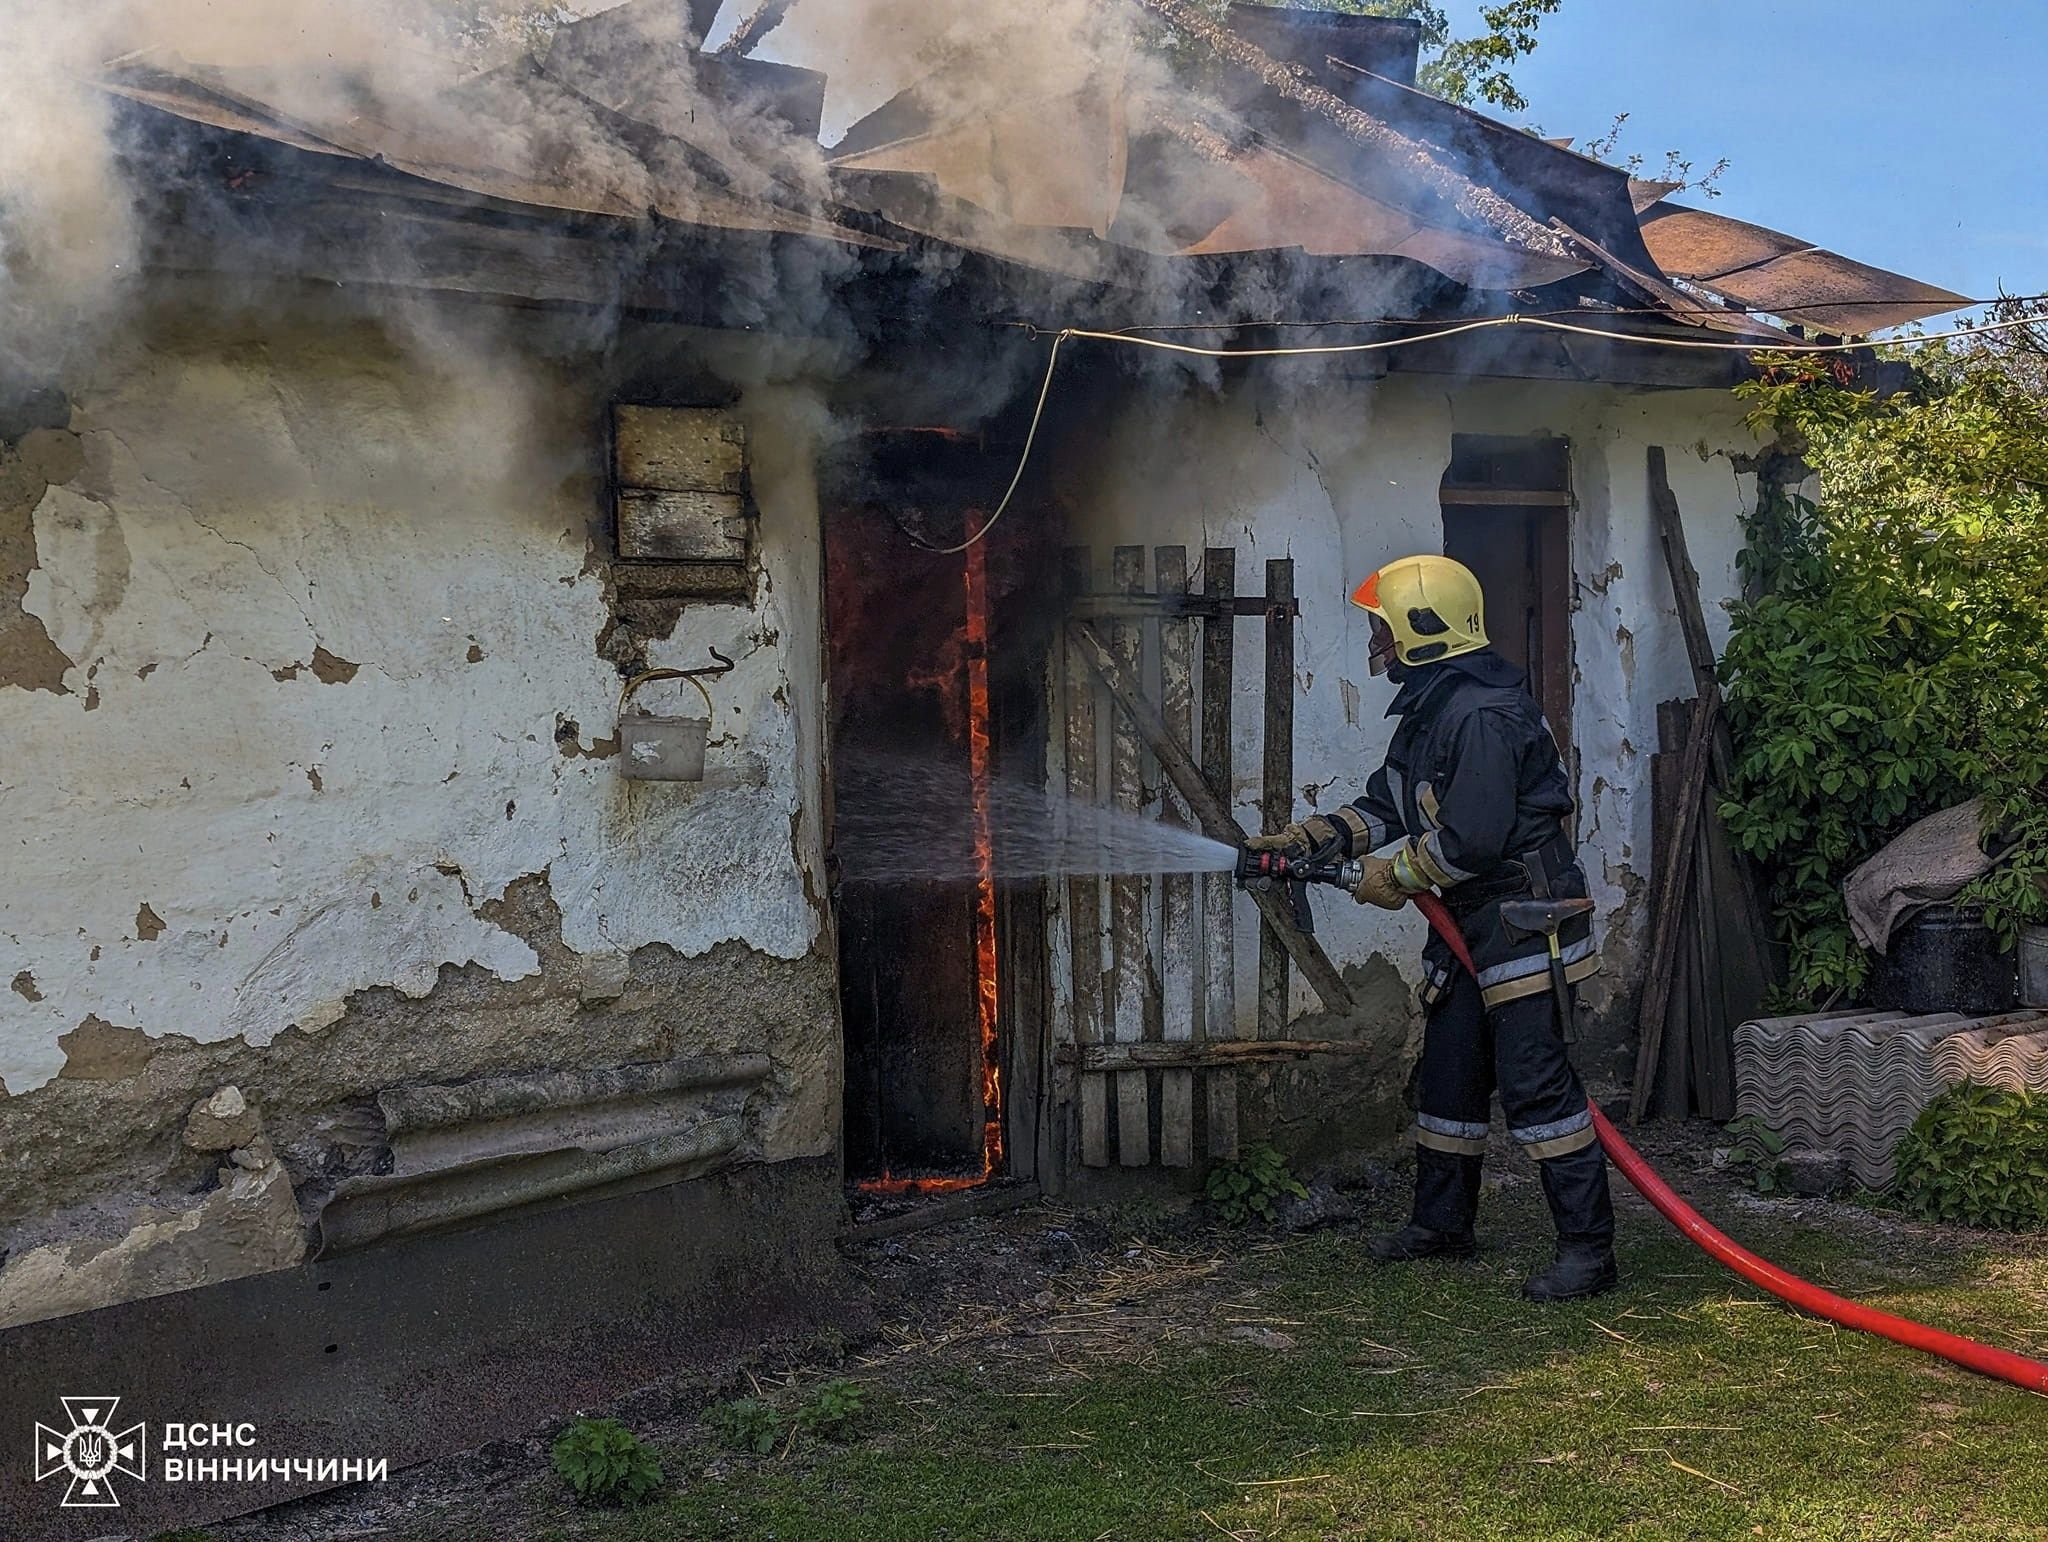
935, 700
1507, 511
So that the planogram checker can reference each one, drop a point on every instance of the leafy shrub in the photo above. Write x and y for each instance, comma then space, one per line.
1977, 1155
1890, 657
747, 1424
606, 1463
836, 1410
1758, 1154
1251, 1185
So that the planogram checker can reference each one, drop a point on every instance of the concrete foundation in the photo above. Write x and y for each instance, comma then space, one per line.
433, 1343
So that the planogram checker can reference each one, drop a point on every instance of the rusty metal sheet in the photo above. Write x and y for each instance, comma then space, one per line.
915, 204
1693, 244
1547, 182
1769, 271
167, 91
1644, 193
512, 135
1691, 309
1834, 293
1289, 203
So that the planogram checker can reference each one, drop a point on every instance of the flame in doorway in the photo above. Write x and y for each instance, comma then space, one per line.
974, 673
889, 1183
984, 859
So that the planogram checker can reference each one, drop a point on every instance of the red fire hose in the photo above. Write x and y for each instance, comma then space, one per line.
2002, 1363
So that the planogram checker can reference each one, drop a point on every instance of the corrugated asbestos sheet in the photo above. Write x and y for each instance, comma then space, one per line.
1848, 1085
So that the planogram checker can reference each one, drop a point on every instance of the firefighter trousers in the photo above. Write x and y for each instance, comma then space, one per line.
1517, 1047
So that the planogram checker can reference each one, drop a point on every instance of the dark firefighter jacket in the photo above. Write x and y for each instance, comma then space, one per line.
1474, 786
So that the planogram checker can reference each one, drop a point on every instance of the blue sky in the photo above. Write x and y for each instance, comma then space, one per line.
1904, 133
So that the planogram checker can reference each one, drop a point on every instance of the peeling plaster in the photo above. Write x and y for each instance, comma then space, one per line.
29, 660
231, 521
109, 1131
1380, 450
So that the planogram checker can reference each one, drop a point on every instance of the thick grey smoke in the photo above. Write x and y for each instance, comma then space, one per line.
69, 231
72, 239
66, 233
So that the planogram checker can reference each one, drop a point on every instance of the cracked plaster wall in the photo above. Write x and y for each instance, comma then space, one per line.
1343, 475
324, 603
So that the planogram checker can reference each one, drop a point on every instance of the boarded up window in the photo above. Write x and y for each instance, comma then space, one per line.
680, 479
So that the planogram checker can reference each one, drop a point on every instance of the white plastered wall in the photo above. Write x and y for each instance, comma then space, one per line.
420, 510
1342, 475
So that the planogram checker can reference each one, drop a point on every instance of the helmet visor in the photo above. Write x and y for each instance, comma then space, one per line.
1382, 656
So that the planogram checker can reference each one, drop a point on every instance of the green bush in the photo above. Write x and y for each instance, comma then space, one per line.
1251, 1185
836, 1410
1979, 1156
1890, 657
746, 1424
606, 1463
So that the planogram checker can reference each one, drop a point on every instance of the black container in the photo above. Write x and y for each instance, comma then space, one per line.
1943, 960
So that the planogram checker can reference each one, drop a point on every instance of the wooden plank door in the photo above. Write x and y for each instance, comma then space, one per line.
1144, 964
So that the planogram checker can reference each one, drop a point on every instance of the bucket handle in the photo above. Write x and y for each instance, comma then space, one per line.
647, 676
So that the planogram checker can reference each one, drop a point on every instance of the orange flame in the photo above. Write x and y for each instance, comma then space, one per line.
974, 669
984, 858
889, 1183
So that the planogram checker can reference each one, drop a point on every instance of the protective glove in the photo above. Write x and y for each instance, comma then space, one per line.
1379, 886
1311, 834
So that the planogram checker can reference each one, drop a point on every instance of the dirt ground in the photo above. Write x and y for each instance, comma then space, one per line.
1005, 1348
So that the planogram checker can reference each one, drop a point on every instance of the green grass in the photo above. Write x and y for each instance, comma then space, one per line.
1429, 1401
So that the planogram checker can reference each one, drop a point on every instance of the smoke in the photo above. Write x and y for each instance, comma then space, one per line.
961, 55
435, 87
66, 228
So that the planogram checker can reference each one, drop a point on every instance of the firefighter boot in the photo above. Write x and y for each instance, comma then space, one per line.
1576, 1186
1446, 1197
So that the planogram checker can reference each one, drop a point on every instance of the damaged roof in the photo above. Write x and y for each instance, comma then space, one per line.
610, 121
1323, 144
1314, 142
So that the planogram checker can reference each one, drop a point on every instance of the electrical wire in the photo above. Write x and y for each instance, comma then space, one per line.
1576, 310
1023, 460
1380, 345
1542, 323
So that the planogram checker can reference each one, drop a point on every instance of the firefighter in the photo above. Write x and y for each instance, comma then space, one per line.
1472, 800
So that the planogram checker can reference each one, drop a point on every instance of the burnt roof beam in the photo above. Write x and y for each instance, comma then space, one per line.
1478, 205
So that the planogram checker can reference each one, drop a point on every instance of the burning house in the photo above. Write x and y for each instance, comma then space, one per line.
519, 703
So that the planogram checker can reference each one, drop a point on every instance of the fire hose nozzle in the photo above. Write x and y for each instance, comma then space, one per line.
1266, 870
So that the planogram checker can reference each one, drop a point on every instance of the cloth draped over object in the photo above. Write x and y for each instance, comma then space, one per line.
1925, 864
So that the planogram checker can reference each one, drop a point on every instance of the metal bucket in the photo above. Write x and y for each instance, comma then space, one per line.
2033, 951
664, 747
1944, 960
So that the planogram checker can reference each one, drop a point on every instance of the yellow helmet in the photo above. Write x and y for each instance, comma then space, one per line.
1424, 609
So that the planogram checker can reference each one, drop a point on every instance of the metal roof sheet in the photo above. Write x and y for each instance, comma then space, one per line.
1769, 271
